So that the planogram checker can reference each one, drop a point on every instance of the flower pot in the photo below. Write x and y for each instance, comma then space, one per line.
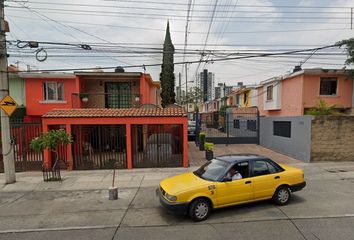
209, 155
201, 147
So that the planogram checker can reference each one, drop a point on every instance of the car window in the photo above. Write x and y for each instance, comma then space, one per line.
213, 170
260, 168
191, 123
242, 168
272, 168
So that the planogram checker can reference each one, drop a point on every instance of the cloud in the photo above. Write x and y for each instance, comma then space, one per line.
235, 28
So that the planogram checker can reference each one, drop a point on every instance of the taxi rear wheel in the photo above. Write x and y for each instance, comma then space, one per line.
281, 195
199, 209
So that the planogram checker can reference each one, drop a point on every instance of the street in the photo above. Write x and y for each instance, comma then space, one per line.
78, 208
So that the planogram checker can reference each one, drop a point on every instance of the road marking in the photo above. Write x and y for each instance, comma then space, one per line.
55, 229
167, 225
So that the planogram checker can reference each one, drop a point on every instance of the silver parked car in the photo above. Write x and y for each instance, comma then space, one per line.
191, 130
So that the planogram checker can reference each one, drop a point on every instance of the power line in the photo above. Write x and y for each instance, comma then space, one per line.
199, 61
138, 15
198, 32
183, 10
177, 15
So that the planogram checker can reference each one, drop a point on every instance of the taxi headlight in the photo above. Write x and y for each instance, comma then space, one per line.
171, 197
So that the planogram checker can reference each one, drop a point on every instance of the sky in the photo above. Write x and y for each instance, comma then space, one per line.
131, 33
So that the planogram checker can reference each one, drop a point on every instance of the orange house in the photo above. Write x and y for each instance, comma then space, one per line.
293, 94
47, 91
122, 138
115, 120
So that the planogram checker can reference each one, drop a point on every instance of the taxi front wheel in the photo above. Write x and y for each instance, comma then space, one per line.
199, 209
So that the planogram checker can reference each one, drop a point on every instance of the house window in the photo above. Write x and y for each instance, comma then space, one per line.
236, 123
328, 86
53, 91
282, 128
245, 98
237, 100
270, 92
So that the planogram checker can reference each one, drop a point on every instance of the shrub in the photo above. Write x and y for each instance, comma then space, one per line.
51, 140
208, 146
321, 109
202, 137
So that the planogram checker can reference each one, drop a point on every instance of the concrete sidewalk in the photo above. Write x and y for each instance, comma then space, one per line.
91, 179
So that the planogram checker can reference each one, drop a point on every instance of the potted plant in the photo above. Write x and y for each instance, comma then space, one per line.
209, 154
201, 141
51, 140
84, 97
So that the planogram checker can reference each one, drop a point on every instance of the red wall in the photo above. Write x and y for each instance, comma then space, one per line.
35, 104
147, 91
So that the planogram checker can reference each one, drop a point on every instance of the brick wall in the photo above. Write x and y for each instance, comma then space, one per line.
332, 138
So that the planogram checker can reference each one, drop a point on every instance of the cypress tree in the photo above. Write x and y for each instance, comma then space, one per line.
167, 77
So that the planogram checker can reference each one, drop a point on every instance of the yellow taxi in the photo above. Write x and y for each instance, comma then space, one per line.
229, 180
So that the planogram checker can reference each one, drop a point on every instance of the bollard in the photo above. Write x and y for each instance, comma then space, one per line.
113, 193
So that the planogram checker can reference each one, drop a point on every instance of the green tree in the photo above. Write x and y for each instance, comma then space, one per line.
193, 95
51, 140
321, 109
167, 77
349, 43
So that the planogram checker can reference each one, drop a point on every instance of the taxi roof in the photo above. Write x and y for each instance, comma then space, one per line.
240, 157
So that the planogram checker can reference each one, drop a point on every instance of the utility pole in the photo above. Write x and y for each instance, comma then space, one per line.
7, 152
351, 18
186, 69
179, 89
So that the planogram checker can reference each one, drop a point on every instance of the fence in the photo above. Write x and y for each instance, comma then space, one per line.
26, 159
105, 100
99, 146
235, 126
157, 145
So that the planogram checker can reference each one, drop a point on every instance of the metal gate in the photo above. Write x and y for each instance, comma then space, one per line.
99, 146
157, 145
26, 159
234, 126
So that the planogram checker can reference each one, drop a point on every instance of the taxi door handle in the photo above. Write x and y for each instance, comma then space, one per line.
276, 177
248, 182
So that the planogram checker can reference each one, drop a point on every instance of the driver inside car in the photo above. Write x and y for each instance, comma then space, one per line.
233, 174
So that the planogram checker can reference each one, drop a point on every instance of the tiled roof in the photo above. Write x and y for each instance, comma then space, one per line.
114, 112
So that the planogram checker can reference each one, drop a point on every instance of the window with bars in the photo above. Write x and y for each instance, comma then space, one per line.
328, 86
53, 91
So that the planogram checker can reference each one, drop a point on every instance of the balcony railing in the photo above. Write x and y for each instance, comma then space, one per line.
105, 100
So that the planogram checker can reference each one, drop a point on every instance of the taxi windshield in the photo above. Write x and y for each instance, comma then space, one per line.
213, 170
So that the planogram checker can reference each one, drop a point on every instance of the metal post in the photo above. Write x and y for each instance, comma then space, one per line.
351, 18
227, 128
258, 127
180, 89
186, 85
7, 151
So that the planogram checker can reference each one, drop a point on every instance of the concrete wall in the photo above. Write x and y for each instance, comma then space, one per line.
298, 146
332, 138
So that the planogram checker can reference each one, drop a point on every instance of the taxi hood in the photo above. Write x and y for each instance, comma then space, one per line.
181, 183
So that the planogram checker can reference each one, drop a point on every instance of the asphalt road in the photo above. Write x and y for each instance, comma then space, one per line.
323, 210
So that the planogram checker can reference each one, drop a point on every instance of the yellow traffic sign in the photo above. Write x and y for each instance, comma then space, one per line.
8, 104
